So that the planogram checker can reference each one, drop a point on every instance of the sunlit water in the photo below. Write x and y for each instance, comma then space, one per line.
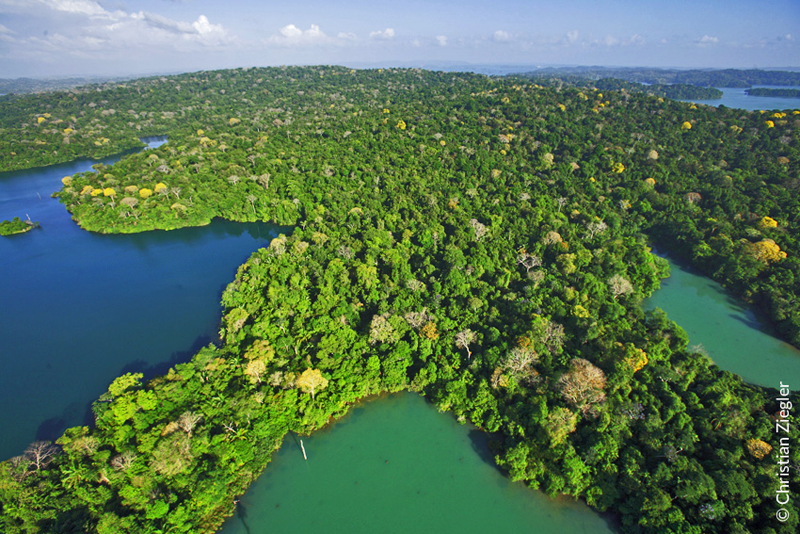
726, 330
396, 465
737, 98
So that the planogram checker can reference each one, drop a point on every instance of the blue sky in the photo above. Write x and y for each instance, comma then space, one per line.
117, 37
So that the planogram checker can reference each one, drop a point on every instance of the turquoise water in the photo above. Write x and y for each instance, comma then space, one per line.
396, 465
78, 309
726, 330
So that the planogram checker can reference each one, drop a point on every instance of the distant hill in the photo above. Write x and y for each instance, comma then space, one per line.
703, 78
41, 85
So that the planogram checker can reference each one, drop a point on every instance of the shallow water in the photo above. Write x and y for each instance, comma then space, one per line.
729, 332
396, 465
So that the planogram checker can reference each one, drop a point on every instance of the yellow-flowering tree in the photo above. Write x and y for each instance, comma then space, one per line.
767, 222
429, 331
686, 125
145, 192
768, 251
401, 124
757, 448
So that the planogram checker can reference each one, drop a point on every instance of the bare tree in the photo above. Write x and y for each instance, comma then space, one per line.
463, 339
519, 363
345, 252
252, 199
480, 229
596, 227
381, 330
263, 180
561, 201
123, 461
582, 386
41, 453
417, 319
529, 261
619, 286
255, 370
187, 421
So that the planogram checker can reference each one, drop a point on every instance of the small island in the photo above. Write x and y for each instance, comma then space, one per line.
17, 226
774, 93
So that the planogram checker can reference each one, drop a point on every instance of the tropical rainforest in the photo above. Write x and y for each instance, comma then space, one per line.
486, 242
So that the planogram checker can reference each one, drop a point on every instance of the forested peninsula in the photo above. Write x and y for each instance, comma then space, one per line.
485, 242
775, 93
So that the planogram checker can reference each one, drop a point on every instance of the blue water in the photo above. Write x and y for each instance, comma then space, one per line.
78, 309
737, 98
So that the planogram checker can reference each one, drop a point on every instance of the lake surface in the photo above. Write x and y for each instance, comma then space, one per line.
396, 465
729, 332
737, 98
79, 309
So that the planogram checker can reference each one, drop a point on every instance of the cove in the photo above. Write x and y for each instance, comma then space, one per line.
79, 309
396, 465
726, 329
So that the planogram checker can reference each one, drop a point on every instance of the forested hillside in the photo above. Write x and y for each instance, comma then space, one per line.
485, 242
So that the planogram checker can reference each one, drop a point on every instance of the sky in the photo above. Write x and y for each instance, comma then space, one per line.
49, 38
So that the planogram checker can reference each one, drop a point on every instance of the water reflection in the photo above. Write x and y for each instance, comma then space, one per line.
84, 308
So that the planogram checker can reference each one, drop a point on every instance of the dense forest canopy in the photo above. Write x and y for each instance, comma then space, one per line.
483, 241
675, 91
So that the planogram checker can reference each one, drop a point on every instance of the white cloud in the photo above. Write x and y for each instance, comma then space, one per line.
388, 33
501, 36
572, 36
78, 7
609, 40
84, 29
292, 36
707, 39
4, 30
637, 39
442, 40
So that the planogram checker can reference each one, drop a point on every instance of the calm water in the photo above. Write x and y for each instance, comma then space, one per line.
396, 465
729, 332
736, 98
78, 309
